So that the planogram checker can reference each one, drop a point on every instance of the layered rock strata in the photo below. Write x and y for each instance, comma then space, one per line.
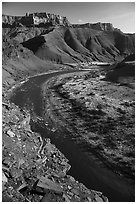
35, 19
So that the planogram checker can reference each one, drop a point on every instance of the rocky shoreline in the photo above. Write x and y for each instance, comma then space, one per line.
33, 169
68, 105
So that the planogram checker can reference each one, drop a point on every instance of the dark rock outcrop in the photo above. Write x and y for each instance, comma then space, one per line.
130, 58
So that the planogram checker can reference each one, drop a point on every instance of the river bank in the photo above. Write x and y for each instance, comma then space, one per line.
75, 102
87, 170
90, 107
34, 170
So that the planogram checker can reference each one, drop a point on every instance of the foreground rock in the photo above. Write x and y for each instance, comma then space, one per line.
33, 169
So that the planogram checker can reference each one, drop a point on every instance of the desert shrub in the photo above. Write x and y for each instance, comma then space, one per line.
121, 111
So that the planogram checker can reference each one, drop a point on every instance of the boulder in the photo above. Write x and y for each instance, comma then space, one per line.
10, 133
48, 184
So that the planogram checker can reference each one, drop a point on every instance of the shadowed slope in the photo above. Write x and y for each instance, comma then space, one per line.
28, 49
80, 44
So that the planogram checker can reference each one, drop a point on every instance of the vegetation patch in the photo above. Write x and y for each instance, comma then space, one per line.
99, 112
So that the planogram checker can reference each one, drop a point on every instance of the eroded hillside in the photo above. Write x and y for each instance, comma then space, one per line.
65, 43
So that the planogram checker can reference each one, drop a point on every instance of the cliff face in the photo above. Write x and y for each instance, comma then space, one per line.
103, 26
97, 26
51, 19
35, 19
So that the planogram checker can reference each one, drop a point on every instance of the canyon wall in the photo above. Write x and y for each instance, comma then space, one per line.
35, 19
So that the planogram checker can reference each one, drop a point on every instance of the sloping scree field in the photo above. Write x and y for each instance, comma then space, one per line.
33, 169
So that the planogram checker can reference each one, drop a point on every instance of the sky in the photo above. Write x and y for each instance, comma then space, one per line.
120, 14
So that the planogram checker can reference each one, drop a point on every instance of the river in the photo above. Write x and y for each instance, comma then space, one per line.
85, 167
